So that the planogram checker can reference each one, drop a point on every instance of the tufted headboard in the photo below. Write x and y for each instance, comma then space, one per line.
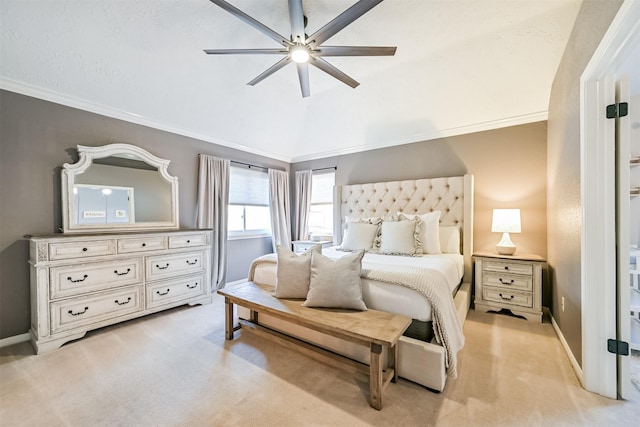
452, 196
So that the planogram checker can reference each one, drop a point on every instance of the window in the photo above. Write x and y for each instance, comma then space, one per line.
249, 213
321, 211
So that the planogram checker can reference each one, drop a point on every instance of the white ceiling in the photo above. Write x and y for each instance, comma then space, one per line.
461, 66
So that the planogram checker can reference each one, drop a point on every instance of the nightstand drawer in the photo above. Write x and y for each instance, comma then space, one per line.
505, 296
508, 281
508, 267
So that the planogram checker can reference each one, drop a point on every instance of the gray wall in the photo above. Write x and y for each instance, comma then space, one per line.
563, 176
509, 167
36, 138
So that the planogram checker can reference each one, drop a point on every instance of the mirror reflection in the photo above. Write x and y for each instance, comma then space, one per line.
118, 186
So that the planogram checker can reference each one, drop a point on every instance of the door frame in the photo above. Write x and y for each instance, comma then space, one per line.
597, 177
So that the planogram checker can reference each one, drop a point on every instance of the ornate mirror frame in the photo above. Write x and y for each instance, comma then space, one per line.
87, 155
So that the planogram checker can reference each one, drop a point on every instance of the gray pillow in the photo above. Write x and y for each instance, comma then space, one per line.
336, 283
293, 271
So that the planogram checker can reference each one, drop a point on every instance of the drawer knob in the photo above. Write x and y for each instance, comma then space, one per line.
188, 241
123, 273
123, 302
195, 285
77, 280
194, 262
163, 293
144, 244
84, 249
78, 313
506, 267
162, 268
506, 282
505, 298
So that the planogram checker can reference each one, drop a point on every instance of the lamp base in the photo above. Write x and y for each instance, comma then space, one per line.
505, 246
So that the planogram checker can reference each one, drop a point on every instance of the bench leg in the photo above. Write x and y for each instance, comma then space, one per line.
228, 319
375, 377
393, 360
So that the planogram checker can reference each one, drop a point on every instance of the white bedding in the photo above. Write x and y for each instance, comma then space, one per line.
387, 296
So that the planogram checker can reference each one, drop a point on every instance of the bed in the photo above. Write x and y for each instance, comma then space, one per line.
422, 356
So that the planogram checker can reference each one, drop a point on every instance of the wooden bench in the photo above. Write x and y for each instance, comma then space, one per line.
373, 329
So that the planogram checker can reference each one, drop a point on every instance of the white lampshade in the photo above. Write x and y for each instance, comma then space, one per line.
506, 221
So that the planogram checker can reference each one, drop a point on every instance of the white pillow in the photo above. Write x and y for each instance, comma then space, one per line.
293, 272
450, 239
429, 233
398, 237
359, 235
336, 283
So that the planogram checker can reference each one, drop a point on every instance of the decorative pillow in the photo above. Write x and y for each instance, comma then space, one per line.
359, 235
398, 237
368, 220
429, 233
336, 283
450, 239
293, 272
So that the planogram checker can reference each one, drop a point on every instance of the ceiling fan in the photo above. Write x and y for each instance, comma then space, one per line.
304, 50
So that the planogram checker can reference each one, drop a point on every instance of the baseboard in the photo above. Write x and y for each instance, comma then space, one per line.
6, 342
574, 363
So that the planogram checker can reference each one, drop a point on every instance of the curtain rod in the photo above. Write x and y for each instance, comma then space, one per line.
249, 165
335, 168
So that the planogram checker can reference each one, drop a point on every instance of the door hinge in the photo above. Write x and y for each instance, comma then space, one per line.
618, 347
617, 110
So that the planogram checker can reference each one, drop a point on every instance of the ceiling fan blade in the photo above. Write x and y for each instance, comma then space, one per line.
333, 71
245, 51
275, 67
342, 20
296, 16
251, 21
355, 51
303, 75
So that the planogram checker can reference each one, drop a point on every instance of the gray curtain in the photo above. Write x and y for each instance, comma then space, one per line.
303, 181
280, 208
212, 211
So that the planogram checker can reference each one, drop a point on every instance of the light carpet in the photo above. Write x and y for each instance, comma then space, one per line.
175, 369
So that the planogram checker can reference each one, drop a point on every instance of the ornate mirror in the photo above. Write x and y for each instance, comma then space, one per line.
118, 187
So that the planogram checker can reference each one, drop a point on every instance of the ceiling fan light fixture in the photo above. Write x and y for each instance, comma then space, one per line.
299, 54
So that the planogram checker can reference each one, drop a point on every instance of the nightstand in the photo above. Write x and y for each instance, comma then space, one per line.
304, 245
512, 282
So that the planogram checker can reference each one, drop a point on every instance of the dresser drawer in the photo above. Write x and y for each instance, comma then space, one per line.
71, 250
79, 279
142, 244
188, 240
175, 290
80, 312
508, 281
165, 266
505, 296
508, 267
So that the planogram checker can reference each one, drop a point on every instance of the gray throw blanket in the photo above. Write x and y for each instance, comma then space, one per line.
426, 281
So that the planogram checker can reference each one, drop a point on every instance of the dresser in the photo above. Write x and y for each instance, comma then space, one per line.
512, 282
82, 282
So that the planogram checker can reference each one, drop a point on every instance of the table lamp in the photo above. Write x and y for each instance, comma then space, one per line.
506, 221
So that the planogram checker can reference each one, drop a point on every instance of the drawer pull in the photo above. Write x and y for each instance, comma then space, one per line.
506, 267
162, 268
77, 280
505, 298
123, 302
188, 241
78, 313
84, 249
195, 285
506, 282
144, 244
163, 293
122, 274
192, 263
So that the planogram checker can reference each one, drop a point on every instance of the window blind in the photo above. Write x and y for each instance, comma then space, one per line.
322, 187
249, 187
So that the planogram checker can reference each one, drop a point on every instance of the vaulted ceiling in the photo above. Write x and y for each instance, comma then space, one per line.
461, 66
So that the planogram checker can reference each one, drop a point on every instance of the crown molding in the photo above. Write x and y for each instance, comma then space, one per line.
455, 131
115, 113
